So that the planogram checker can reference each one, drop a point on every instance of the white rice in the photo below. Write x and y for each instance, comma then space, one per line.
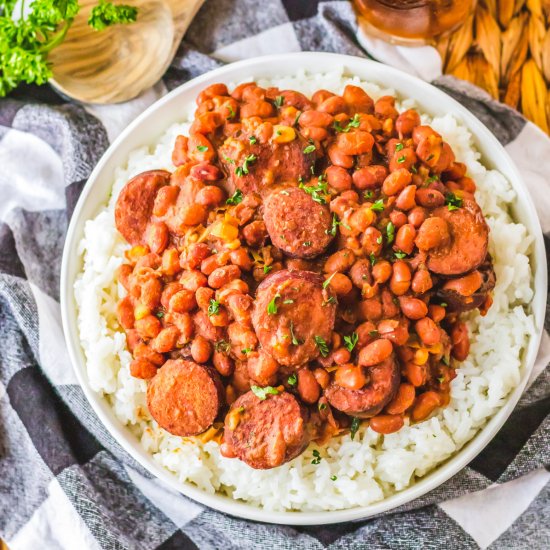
373, 466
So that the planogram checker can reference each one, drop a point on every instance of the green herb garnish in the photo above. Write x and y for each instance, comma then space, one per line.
309, 149
390, 232
222, 345
317, 192
368, 194
353, 123
292, 379
252, 140
267, 268
322, 345
401, 159
333, 478
351, 341
355, 424
400, 254
202, 148
327, 282
246, 351
279, 100
242, 170
235, 198
453, 202
262, 393
399, 146
272, 306
373, 259
295, 340
213, 307
317, 458
105, 13
378, 206
288, 302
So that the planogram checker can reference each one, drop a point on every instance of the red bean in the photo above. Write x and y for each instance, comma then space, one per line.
375, 352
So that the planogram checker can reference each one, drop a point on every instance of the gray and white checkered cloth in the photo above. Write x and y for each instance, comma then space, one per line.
64, 482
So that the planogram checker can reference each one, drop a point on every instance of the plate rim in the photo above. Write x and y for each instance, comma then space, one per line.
451, 466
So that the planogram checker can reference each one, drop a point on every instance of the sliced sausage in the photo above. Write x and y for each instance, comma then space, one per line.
266, 433
134, 205
383, 381
459, 303
467, 248
301, 310
297, 224
273, 163
184, 397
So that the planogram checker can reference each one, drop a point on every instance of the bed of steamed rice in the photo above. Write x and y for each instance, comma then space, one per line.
350, 473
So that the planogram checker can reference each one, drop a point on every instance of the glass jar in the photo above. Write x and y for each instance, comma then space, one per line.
119, 62
413, 21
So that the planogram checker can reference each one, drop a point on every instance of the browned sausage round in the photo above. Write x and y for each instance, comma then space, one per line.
383, 381
184, 397
297, 224
459, 302
291, 309
469, 240
266, 433
134, 205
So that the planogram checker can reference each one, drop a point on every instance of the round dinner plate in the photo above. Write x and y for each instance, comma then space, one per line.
148, 127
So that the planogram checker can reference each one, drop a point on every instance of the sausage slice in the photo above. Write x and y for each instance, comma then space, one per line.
134, 205
184, 397
297, 224
272, 163
266, 433
459, 303
291, 311
370, 400
469, 240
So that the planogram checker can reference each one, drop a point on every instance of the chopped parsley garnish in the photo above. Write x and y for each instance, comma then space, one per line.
262, 393
292, 379
355, 423
295, 340
331, 300
373, 333
445, 360
288, 302
297, 118
353, 123
322, 345
441, 379
453, 202
231, 112
327, 282
431, 179
222, 345
242, 170
252, 140
390, 232
317, 192
309, 149
379, 240
373, 259
213, 307
202, 148
333, 478
378, 206
267, 268
279, 100
317, 458
413, 169
322, 406
443, 304
368, 194
102, 15
235, 198
246, 351
159, 314
401, 159
335, 224
399, 146
351, 341
272, 306
228, 159
307, 243
399, 254
430, 157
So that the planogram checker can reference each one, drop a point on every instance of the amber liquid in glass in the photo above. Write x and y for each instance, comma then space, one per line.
415, 20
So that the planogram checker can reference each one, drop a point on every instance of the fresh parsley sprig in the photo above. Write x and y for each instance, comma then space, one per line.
26, 41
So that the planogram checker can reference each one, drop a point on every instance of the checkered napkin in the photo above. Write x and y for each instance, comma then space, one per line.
64, 482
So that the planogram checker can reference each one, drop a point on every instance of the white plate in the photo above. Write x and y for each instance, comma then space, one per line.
148, 127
